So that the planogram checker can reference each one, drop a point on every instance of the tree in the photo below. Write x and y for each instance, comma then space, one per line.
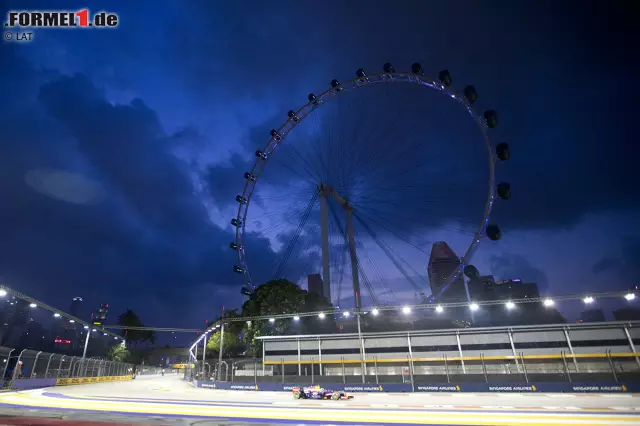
118, 353
278, 297
130, 319
231, 343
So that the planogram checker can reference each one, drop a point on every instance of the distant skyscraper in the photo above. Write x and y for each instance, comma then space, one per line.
315, 285
592, 315
76, 307
443, 262
627, 314
485, 288
100, 317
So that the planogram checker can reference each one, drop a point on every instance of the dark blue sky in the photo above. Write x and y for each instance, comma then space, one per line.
161, 116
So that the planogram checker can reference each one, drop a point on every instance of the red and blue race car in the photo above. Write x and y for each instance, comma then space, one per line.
316, 392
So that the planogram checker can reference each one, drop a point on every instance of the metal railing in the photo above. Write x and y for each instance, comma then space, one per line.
31, 364
561, 367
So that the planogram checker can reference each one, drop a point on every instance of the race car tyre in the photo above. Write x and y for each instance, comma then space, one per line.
335, 396
297, 395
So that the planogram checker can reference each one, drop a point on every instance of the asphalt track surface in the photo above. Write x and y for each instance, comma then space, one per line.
171, 401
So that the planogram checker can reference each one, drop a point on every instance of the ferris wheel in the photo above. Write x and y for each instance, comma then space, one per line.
367, 173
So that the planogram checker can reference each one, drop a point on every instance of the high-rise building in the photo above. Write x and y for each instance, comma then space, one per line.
100, 316
592, 315
486, 288
627, 314
315, 284
76, 307
13, 320
443, 262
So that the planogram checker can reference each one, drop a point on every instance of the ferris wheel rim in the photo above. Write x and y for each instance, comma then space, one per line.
333, 93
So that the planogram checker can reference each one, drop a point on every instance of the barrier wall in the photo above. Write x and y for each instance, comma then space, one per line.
24, 384
446, 387
87, 380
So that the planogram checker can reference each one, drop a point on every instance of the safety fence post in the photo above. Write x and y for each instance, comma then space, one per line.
312, 365
484, 368
524, 367
566, 367
613, 367
344, 377
446, 368
6, 364
375, 368
46, 371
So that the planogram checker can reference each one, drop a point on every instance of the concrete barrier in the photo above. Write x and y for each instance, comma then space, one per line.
88, 380
25, 384
549, 387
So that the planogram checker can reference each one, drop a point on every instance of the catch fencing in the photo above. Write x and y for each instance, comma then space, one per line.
551, 368
30, 369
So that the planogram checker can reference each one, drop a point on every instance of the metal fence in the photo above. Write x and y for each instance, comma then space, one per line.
561, 367
31, 364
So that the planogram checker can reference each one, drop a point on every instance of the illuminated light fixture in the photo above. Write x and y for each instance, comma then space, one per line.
321, 315
63, 341
86, 327
588, 300
630, 296
345, 314
296, 318
115, 338
510, 305
474, 307
3, 292
57, 315
439, 309
406, 310
375, 311
93, 329
104, 334
272, 320
33, 305
248, 322
547, 302
71, 321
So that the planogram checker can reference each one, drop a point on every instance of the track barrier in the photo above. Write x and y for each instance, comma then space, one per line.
542, 387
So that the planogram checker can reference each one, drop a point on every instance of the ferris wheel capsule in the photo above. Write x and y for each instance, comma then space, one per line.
416, 68
312, 98
261, 154
233, 246
336, 85
292, 115
274, 134
445, 78
360, 73
470, 94
240, 199
502, 151
493, 232
491, 118
238, 269
236, 222
504, 190
388, 68
249, 176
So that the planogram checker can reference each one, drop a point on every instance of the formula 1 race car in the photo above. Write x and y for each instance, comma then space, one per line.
316, 392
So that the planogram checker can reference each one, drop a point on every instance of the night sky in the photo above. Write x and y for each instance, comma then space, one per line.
121, 149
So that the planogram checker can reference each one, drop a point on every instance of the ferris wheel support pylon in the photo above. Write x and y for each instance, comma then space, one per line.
324, 234
325, 191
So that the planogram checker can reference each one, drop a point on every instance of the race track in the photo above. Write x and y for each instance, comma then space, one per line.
168, 400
